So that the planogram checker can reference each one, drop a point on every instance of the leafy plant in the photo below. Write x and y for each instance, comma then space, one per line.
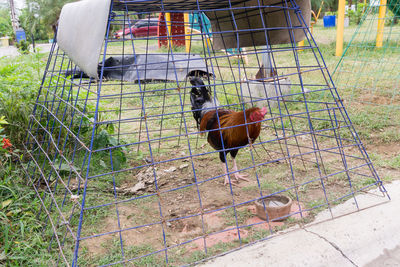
33, 24
5, 146
391, 18
19, 84
5, 23
328, 5
356, 16
104, 140
330, 13
23, 47
47, 10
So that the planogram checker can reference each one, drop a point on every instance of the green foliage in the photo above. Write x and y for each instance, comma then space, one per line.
19, 84
356, 16
5, 23
330, 13
31, 22
23, 47
103, 140
391, 18
2, 122
5, 146
328, 5
42, 12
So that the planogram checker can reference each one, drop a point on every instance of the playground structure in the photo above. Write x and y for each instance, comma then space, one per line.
123, 173
189, 25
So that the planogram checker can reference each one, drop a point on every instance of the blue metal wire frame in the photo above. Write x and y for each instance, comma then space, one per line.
79, 123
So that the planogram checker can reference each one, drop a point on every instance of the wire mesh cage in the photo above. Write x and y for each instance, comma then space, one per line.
368, 69
138, 165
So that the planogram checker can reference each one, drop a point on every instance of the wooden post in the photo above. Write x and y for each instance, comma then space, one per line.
381, 23
340, 28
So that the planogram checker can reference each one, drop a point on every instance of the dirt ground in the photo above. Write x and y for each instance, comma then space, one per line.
191, 225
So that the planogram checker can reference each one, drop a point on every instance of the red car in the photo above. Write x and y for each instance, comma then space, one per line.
142, 28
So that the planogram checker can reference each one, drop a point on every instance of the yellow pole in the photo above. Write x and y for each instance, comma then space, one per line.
300, 44
381, 23
187, 32
169, 23
319, 11
340, 28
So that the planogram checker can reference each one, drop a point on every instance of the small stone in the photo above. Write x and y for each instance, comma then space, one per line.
139, 186
74, 197
171, 169
183, 166
169, 224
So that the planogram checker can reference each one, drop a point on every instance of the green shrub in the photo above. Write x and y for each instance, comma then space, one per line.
356, 16
391, 18
20, 80
330, 13
5, 23
23, 47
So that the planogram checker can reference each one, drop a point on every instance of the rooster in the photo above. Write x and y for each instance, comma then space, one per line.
235, 135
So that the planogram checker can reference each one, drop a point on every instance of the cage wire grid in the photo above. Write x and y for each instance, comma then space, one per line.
369, 74
124, 175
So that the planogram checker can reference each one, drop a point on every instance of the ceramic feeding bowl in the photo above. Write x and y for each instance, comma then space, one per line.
276, 206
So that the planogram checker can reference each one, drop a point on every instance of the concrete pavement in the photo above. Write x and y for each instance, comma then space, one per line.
12, 51
369, 237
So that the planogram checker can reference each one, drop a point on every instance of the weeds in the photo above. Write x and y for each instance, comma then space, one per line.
20, 80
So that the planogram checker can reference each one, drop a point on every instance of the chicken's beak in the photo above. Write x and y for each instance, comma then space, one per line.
263, 111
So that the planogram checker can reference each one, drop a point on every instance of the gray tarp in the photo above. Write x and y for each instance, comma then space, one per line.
150, 67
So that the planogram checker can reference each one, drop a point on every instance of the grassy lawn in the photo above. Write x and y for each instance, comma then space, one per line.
22, 239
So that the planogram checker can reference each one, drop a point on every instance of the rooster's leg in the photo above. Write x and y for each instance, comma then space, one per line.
222, 157
226, 181
237, 174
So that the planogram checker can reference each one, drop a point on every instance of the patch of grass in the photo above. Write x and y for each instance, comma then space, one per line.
241, 216
395, 162
113, 254
367, 181
313, 204
21, 234
266, 185
378, 160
